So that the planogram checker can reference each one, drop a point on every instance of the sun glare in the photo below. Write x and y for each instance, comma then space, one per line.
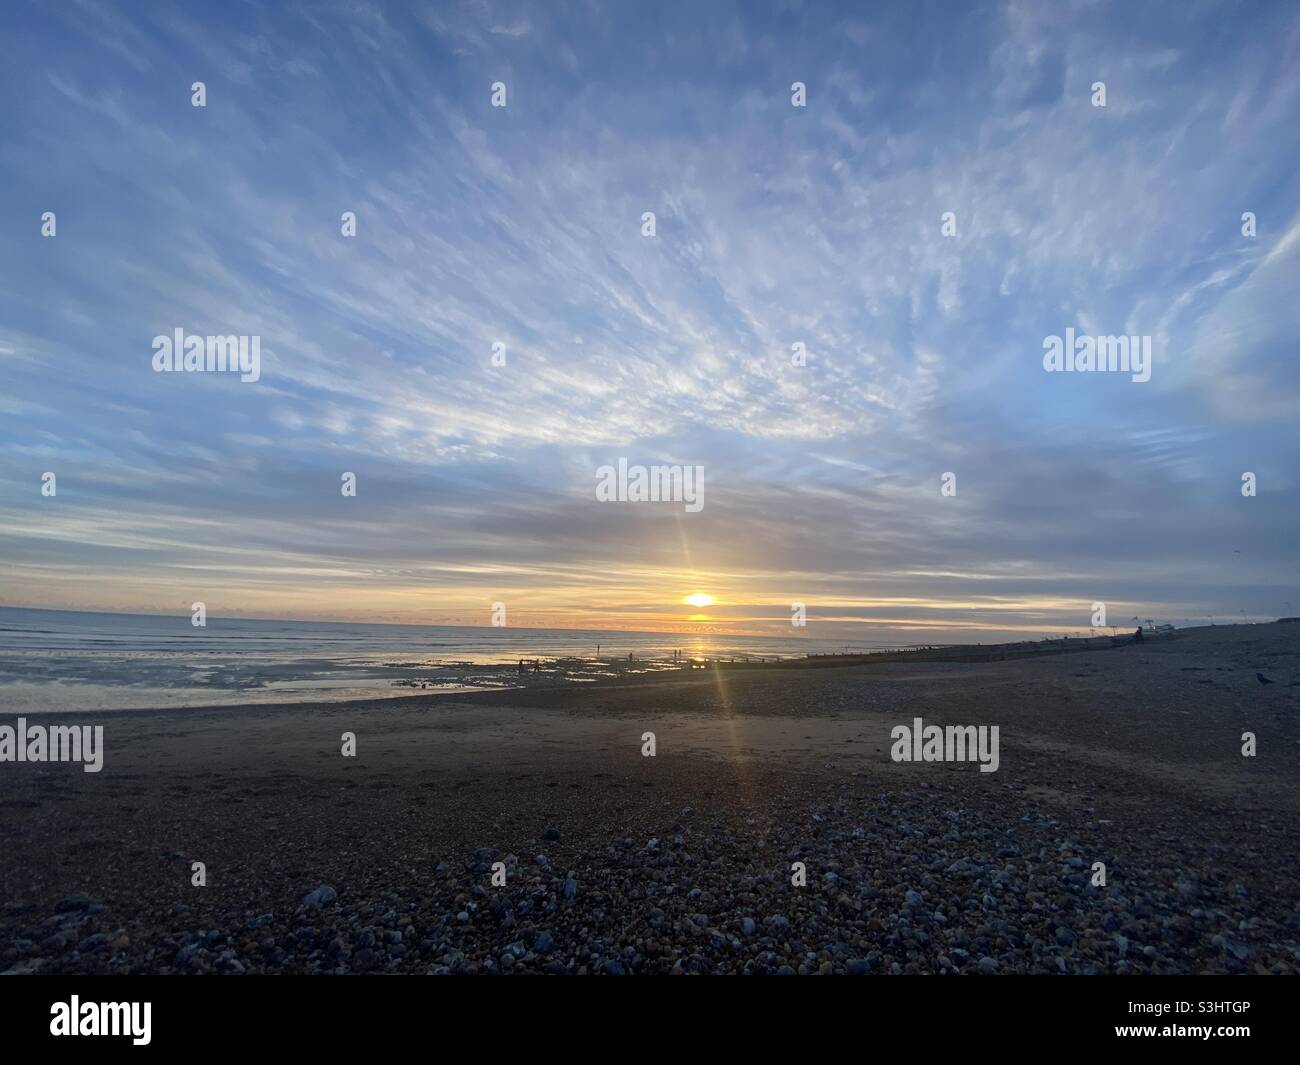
700, 599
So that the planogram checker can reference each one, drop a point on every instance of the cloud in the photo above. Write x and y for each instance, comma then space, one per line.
775, 225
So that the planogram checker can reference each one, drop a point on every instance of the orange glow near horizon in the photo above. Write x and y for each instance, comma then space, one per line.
625, 598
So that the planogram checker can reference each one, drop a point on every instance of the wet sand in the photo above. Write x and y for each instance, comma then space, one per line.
682, 862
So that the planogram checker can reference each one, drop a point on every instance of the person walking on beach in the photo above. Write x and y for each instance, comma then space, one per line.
1137, 636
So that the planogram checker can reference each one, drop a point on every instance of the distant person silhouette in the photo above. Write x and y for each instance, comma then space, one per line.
1137, 636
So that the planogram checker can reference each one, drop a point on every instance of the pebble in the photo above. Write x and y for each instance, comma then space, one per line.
987, 889
322, 896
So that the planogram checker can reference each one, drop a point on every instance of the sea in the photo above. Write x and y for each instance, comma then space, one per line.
61, 660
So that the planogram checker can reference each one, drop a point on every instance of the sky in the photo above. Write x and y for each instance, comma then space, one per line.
522, 225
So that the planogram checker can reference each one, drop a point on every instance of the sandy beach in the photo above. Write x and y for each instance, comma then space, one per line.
682, 862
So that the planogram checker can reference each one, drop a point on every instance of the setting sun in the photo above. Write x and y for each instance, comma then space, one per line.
700, 599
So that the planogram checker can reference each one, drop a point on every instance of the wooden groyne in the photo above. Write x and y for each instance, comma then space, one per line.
957, 653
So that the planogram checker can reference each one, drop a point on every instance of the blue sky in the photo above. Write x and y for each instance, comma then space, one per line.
775, 224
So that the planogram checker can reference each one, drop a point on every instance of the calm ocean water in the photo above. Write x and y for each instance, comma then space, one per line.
67, 660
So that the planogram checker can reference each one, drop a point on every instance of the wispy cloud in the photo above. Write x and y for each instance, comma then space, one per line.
775, 225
